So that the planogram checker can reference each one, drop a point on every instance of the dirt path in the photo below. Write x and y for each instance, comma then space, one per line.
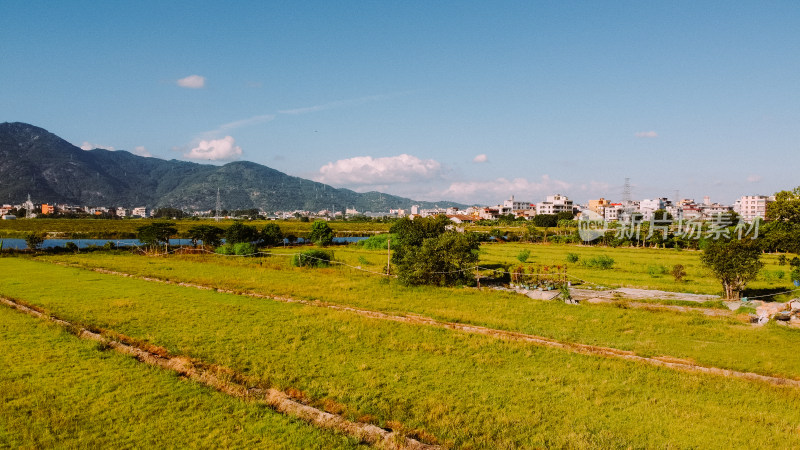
661, 361
229, 382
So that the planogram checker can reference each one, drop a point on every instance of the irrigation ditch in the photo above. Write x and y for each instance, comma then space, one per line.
415, 319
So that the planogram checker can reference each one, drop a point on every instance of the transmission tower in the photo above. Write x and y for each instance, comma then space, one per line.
626, 192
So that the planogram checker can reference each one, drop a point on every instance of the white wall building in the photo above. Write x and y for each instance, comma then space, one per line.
754, 206
141, 211
554, 204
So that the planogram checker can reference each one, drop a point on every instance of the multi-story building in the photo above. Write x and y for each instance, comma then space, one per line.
648, 206
598, 205
141, 211
554, 204
612, 212
753, 207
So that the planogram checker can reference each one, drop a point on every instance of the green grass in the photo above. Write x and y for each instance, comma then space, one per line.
57, 391
716, 341
467, 390
126, 228
633, 267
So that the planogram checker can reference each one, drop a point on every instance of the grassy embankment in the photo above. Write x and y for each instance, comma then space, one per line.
57, 391
467, 390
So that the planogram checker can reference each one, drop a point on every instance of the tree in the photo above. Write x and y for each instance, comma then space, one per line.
157, 233
545, 220
271, 235
733, 263
427, 253
210, 235
442, 261
34, 241
169, 213
321, 233
239, 233
786, 207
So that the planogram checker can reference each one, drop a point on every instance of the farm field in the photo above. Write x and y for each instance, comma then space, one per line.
126, 228
452, 388
728, 342
57, 391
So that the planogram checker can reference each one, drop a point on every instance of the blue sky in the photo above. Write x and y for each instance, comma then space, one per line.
464, 101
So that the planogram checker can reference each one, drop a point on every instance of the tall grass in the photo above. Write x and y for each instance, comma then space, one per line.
466, 390
717, 341
57, 391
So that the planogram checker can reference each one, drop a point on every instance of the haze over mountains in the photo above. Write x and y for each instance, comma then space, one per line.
36, 162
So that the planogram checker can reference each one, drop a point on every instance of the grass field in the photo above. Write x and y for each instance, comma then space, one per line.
636, 267
716, 341
466, 390
126, 228
57, 391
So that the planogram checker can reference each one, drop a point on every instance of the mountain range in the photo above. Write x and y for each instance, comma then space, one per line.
36, 162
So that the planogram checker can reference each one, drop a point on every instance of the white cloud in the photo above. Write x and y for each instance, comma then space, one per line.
366, 170
224, 149
89, 146
482, 158
141, 151
646, 134
754, 178
494, 191
192, 82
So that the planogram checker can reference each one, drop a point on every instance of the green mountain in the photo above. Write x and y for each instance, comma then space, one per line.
36, 162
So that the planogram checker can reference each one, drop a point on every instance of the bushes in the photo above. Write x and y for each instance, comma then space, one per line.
599, 262
572, 258
377, 241
678, 272
312, 258
523, 255
240, 249
656, 270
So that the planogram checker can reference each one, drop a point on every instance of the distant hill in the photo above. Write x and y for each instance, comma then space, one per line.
36, 162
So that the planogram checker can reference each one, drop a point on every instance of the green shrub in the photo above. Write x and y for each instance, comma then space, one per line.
71, 246
782, 260
226, 249
600, 262
244, 249
656, 270
377, 241
312, 258
572, 257
523, 256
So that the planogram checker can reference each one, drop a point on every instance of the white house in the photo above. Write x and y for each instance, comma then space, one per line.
554, 204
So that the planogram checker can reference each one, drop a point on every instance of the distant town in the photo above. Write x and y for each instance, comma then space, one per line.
748, 207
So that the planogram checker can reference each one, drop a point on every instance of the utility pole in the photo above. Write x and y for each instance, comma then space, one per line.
388, 256
219, 206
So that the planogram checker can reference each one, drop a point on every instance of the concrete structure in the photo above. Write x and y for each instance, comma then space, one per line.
597, 206
141, 211
648, 206
512, 205
554, 204
612, 212
753, 207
